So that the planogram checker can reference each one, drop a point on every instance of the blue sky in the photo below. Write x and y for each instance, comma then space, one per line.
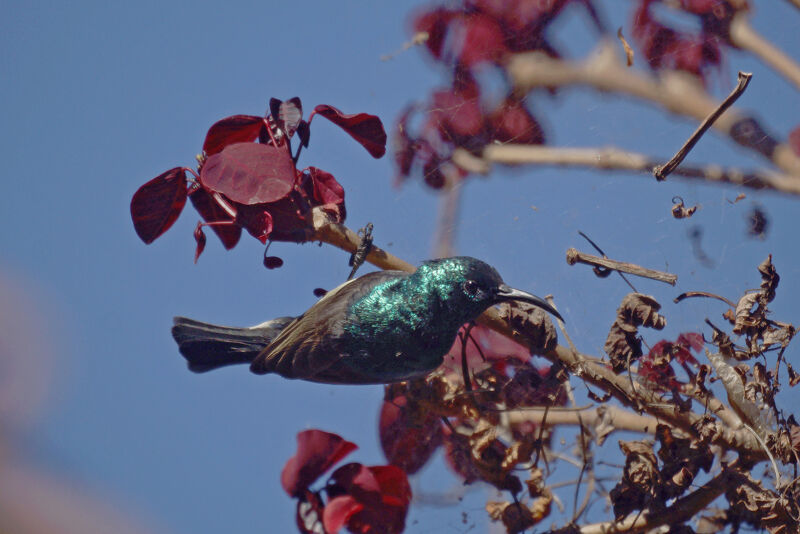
97, 98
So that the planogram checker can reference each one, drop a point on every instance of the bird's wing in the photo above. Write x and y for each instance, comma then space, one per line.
298, 352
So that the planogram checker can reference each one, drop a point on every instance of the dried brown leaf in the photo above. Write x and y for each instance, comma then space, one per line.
533, 322
769, 278
679, 211
622, 344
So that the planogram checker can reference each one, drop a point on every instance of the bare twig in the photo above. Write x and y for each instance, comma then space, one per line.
619, 160
744, 36
574, 256
662, 171
677, 92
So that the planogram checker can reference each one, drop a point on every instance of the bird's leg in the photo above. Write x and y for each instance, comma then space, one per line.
358, 257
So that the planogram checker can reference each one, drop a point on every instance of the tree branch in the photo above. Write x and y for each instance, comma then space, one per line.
612, 159
677, 92
744, 36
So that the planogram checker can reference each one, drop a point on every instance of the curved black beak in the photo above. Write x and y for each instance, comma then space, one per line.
505, 292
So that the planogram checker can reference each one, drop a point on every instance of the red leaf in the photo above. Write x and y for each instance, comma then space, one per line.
156, 205
200, 237
256, 220
383, 491
211, 212
408, 436
457, 114
287, 114
317, 451
513, 123
482, 40
691, 339
250, 173
338, 512
794, 140
326, 189
230, 130
364, 128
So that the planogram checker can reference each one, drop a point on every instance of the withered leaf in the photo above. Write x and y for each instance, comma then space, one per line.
533, 322
622, 344
679, 211
769, 278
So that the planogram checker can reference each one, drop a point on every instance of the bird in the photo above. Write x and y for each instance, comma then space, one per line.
382, 327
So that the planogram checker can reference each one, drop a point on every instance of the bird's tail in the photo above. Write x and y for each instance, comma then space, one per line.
208, 346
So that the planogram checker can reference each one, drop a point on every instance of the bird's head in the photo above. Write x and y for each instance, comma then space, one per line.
470, 286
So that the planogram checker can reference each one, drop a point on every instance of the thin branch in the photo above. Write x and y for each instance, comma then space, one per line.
676, 91
574, 256
744, 36
662, 171
590, 416
613, 159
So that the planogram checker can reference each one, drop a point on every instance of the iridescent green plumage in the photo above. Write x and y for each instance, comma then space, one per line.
382, 327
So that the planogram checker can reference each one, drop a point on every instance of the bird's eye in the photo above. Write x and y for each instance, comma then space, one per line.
471, 287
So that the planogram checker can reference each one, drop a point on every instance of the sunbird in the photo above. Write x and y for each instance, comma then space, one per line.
385, 326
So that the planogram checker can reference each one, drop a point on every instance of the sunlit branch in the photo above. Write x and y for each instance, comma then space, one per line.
744, 36
612, 159
676, 91
614, 417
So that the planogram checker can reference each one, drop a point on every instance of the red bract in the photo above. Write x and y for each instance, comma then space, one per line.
156, 205
511, 122
370, 499
481, 39
408, 436
230, 130
317, 451
364, 128
435, 24
485, 348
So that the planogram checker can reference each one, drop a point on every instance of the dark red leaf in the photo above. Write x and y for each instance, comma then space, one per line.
317, 451
200, 237
326, 189
512, 123
364, 128
457, 114
287, 114
208, 208
256, 220
432, 173
338, 512
408, 436
250, 173
230, 130
156, 205
482, 40
383, 491
794, 140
